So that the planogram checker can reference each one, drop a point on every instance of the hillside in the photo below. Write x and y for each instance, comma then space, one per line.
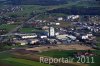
50, 2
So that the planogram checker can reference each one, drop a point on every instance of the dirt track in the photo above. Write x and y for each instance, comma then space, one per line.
61, 47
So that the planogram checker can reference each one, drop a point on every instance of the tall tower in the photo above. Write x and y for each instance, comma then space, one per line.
51, 32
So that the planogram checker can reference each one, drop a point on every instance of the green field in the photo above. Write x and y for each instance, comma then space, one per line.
98, 40
23, 62
29, 30
8, 27
7, 58
65, 54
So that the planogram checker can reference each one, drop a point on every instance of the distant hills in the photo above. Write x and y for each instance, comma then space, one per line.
77, 11
90, 7
37, 2
46, 2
